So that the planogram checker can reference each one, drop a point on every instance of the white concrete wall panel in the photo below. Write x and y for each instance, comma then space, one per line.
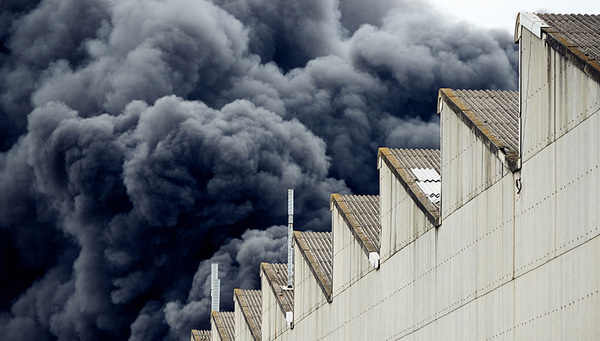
308, 295
350, 262
460, 324
388, 198
577, 188
242, 331
577, 95
560, 300
214, 333
536, 81
496, 314
424, 277
503, 265
494, 221
391, 196
274, 324
456, 262
467, 161
402, 221
535, 208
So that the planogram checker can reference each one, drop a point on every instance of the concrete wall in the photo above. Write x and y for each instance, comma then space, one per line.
242, 330
468, 164
308, 295
402, 221
556, 96
350, 262
214, 332
505, 264
557, 209
274, 324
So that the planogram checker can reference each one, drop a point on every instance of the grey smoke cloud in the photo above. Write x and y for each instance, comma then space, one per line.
142, 140
139, 193
238, 260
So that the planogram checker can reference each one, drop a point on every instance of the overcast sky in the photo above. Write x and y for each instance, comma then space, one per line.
502, 14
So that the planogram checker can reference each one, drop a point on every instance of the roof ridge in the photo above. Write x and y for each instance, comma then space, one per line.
225, 323
489, 124
575, 37
315, 259
247, 299
277, 280
363, 219
200, 335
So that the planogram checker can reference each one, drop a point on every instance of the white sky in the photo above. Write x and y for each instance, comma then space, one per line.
503, 13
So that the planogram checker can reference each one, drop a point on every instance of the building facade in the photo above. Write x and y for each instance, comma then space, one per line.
493, 237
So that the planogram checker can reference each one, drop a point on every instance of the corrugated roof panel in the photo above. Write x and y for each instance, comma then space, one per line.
498, 111
251, 304
200, 335
365, 209
429, 181
225, 321
277, 274
322, 248
317, 249
425, 174
432, 190
412, 166
418, 158
581, 30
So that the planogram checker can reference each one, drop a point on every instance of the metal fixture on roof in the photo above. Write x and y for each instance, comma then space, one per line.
374, 259
531, 22
290, 235
215, 287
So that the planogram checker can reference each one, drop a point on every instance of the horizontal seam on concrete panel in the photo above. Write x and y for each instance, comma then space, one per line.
581, 298
477, 195
597, 112
478, 297
453, 306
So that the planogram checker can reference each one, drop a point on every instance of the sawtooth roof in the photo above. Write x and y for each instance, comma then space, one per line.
577, 37
493, 116
250, 301
317, 249
498, 111
361, 213
200, 335
225, 323
277, 277
413, 166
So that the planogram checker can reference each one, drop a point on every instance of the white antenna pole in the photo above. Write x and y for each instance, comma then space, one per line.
290, 234
215, 287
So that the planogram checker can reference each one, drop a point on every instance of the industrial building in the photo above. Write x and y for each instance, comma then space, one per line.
493, 237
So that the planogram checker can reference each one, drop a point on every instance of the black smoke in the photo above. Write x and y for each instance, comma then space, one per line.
142, 140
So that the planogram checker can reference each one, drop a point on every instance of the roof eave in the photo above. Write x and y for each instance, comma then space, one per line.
305, 251
268, 271
507, 156
560, 44
413, 190
573, 54
355, 228
237, 293
219, 324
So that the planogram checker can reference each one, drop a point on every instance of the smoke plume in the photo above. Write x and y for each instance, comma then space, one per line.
142, 140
